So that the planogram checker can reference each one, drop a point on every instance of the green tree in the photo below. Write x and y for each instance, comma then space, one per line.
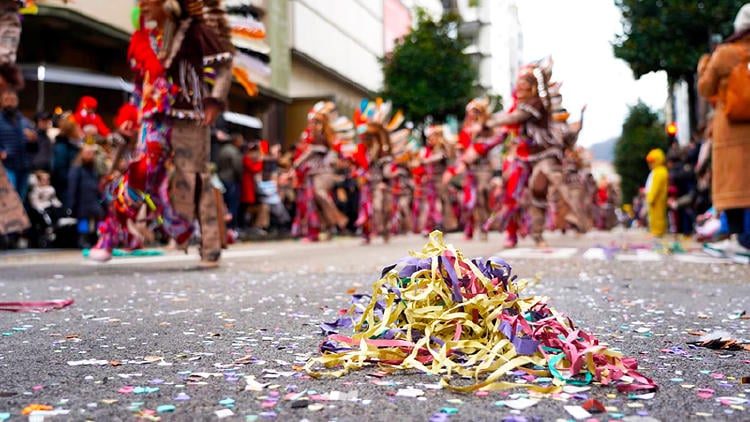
427, 73
641, 132
671, 35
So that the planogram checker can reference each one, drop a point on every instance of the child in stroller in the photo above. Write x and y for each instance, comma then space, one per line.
46, 213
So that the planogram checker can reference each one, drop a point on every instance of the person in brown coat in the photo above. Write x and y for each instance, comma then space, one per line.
731, 140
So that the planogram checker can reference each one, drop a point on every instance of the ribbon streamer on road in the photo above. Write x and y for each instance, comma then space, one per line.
442, 314
42, 306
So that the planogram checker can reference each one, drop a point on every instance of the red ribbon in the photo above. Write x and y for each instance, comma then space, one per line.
42, 306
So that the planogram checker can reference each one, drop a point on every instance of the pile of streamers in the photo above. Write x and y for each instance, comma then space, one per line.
442, 314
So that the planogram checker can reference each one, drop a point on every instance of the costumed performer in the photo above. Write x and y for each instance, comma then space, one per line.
509, 215
434, 211
373, 156
313, 163
183, 74
476, 139
545, 149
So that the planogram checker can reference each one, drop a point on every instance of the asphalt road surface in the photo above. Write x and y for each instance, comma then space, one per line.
153, 337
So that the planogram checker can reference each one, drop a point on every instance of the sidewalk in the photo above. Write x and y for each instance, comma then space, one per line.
592, 245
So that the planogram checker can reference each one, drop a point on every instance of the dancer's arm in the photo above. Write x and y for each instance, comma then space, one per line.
216, 102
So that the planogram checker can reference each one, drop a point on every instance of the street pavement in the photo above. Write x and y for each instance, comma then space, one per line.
152, 337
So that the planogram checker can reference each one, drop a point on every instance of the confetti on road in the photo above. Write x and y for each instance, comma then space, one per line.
439, 313
174, 346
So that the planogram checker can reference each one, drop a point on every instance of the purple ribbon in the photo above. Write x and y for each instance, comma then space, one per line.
524, 345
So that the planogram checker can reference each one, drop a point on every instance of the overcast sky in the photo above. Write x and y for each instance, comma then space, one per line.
578, 35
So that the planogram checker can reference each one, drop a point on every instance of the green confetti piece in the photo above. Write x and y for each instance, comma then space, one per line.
135, 406
449, 410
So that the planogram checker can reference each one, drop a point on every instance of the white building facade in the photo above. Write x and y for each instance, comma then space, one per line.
494, 30
331, 49
336, 40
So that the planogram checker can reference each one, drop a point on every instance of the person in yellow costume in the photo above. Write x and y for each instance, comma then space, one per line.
657, 186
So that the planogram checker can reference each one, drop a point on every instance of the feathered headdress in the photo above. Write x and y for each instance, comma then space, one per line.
344, 134
373, 120
481, 105
323, 108
27, 7
445, 130
215, 17
542, 72
343, 128
559, 113
377, 112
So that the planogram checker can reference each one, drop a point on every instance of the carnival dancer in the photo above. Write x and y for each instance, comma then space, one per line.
574, 167
313, 163
509, 215
183, 73
545, 148
373, 156
434, 211
476, 140
346, 190
402, 182
10, 37
572, 163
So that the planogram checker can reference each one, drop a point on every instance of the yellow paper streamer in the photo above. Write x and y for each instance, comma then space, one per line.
461, 339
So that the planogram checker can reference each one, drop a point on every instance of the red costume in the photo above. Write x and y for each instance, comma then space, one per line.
85, 115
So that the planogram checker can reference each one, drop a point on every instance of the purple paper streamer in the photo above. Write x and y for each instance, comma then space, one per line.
333, 327
452, 279
525, 346
439, 417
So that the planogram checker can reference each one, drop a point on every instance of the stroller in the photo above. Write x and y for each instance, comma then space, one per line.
51, 228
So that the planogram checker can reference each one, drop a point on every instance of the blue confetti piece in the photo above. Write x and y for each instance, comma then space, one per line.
165, 408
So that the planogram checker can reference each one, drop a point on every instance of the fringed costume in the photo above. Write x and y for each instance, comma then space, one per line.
476, 139
546, 144
375, 157
182, 77
313, 164
433, 208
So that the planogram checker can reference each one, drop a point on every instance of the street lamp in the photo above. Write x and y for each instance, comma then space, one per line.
41, 74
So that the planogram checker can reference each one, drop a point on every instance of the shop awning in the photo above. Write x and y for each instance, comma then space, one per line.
73, 76
82, 77
243, 120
